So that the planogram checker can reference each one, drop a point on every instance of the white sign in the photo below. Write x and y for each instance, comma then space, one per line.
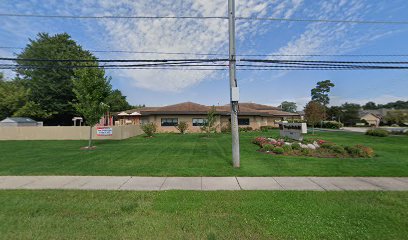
293, 130
104, 131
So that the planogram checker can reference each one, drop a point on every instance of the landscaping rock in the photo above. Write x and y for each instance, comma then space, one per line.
311, 146
303, 145
316, 144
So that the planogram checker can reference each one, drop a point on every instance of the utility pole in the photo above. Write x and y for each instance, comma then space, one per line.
234, 91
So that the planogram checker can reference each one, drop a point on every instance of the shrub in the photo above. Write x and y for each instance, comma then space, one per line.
326, 145
149, 129
354, 151
245, 129
338, 149
377, 132
182, 127
366, 151
287, 148
260, 141
268, 147
278, 150
266, 128
332, 124
305, 151
296, 146
226, 128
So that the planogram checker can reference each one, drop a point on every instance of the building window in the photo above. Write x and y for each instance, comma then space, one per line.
243, 121
199, 121
169, 122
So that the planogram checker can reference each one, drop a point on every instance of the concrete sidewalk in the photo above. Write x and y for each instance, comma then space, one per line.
205, 183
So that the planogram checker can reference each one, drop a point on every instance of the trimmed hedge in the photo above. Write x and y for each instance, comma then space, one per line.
377, 132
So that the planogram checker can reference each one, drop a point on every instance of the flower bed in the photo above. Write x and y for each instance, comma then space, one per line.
312, 148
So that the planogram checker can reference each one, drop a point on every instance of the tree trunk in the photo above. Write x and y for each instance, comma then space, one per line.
313, 130
90, 137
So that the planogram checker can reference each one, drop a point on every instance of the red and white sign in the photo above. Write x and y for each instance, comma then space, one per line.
104, 131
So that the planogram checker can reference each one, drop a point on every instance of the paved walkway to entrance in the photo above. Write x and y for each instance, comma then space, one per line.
205, 183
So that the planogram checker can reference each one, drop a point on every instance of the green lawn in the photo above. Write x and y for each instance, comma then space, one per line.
196, 155
203, 215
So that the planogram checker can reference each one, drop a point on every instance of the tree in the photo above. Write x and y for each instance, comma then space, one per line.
182, 127
335, 113
288, 106
117, 102
396, 105
399, 117
370, 106
321, 92
350, 113
314, 113
91, 89
51, 89
13, 96
208, 126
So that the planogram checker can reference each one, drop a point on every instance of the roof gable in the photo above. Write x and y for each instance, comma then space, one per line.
18, 120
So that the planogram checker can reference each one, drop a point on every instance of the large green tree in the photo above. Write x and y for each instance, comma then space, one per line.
350, 113
13, 96
50, 82
370, 106
91, 89
117, 102
289, 106
399, 117
321, 92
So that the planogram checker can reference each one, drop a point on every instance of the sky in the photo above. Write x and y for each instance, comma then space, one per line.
164, 87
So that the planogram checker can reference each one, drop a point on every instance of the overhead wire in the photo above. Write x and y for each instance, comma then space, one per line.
401, 22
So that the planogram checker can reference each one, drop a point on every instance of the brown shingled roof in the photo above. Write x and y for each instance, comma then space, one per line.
195, 108
257, 106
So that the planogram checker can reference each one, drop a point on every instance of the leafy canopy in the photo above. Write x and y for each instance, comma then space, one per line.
51, 89
314, 112
289, 106
91, 89
321, 92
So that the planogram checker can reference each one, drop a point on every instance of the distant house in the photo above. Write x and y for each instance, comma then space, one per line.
250, 115
371, 119
19, 122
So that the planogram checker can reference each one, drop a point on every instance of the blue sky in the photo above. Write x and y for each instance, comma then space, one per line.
163, 87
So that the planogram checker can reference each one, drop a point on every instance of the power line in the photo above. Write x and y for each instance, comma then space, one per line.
320, 61
321, 20
184, 66
194, 60
242, 55
108, 16
206, 17
112, 60
323, 55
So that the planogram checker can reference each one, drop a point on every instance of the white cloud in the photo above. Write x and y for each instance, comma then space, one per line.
333, 38
179, 35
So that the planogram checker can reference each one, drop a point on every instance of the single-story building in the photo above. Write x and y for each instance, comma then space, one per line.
372, 119
250, 115
19, 122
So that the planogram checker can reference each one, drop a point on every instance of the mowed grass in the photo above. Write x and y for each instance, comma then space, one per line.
197, 155
203, 215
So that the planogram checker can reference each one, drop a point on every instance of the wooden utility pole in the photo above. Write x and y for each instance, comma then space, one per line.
234, 91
